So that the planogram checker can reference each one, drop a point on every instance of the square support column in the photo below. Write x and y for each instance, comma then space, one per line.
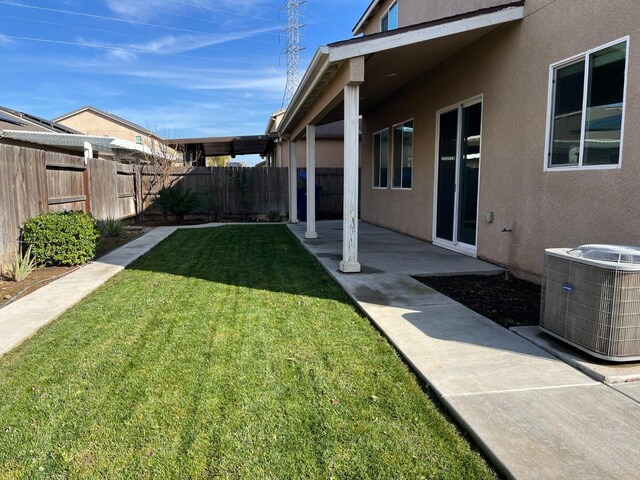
293, 183
311, 183
349, 263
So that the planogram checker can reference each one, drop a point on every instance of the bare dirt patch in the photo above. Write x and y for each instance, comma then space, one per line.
508, 301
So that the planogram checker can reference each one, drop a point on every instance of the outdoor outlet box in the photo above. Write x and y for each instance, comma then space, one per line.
489, 217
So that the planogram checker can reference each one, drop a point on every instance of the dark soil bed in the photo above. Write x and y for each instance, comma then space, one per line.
511, 302
11, 291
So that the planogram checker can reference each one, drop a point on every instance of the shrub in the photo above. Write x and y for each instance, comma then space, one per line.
111, 227
273, 216
18, 266
62, 238
178, 201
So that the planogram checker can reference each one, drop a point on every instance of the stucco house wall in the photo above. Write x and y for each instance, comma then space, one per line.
412, 12
510, 69
92, 123
329, 153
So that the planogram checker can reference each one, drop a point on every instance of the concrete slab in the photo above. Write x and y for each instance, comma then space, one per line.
584, 433
458, 351
631, 390
384, 251
23, 318
607, 372
393, 290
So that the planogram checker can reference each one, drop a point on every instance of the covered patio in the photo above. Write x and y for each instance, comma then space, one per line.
351, 78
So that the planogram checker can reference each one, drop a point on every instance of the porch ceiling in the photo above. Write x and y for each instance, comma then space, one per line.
389, 71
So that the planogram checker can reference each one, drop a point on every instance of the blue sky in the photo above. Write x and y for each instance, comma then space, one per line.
183, 68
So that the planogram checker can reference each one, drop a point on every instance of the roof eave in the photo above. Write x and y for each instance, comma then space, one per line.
365, 17
341, 51
317, 68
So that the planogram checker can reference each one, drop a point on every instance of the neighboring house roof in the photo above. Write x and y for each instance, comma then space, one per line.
15, 120
74, 141
110, 116
274, 121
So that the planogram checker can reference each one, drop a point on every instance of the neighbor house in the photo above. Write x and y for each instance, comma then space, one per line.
16, 128
490, 127
92, 121
329, 145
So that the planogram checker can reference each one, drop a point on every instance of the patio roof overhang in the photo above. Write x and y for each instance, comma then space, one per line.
223, 146
76, 142
391, 60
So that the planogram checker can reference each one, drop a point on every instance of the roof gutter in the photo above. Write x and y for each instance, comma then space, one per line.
312, 76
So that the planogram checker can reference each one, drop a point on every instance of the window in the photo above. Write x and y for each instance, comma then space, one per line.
402, 154
390, 19
380, 158
138, 139
587, 109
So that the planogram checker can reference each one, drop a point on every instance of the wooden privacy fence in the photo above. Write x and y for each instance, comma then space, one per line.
247, 191
36, 181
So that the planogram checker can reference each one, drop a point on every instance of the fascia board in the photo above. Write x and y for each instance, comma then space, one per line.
367, 47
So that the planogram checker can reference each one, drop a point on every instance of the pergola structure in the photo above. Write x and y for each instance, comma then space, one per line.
352, 77
197, 149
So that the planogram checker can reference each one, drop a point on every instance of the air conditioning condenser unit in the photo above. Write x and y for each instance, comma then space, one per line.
591, 299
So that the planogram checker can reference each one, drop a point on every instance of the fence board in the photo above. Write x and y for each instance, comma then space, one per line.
249, 191
35, 181
103, 189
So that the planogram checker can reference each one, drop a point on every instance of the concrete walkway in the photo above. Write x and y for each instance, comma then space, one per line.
533, 415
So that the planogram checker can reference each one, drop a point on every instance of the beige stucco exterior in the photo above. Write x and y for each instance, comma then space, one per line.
412, 12
92, 123
329, 150
510, 69
329, 153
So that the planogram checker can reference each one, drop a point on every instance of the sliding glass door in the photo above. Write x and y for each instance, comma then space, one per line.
457, 176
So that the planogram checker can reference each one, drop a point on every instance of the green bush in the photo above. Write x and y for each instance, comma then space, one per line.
111, 227
62, 238
178, 201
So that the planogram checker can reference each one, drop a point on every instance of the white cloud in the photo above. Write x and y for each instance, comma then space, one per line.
174, 44
5, 41
149, 8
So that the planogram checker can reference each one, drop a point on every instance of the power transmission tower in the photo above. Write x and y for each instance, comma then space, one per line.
293, 29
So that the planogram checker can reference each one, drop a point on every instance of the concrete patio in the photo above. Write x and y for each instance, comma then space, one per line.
535, 416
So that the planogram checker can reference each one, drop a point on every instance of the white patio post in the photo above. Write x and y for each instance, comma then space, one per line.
311, 183
349, 263
293, 183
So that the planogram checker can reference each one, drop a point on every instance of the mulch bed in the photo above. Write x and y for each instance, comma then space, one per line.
508, 301
11, 291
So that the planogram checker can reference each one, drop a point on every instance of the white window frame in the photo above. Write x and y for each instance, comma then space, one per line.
551, 107
386, 15
393, 160
373, 159
456, 246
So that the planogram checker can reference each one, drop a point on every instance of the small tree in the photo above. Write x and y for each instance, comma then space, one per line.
163, 166
221, 161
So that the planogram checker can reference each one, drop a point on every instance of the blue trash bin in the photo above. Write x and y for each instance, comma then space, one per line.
302, 202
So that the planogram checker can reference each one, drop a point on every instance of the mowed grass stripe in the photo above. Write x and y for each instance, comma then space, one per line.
223, 353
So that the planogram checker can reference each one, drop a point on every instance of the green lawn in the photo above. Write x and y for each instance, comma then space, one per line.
222, 353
